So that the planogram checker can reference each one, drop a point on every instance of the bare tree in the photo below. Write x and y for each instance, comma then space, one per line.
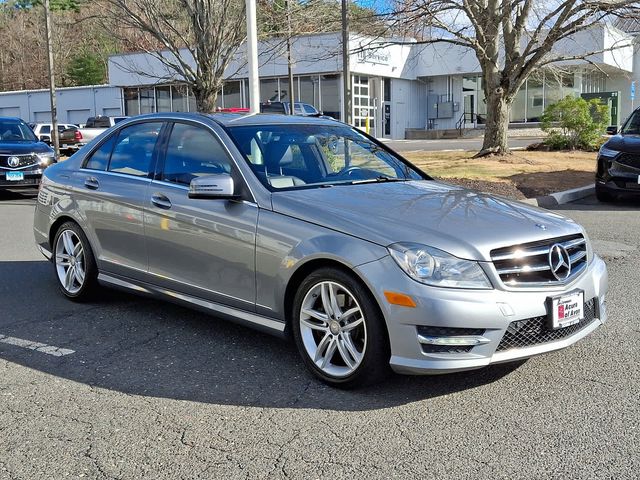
510, 38
194, 39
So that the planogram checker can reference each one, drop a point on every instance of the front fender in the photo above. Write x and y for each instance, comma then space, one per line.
285, 244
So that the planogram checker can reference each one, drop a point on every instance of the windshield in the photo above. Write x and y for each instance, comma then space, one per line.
15, 131
300, 156
632, 126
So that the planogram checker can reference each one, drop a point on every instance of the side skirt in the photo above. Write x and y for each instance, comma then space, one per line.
242, 317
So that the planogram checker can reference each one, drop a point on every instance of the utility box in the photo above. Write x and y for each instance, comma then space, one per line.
445, 110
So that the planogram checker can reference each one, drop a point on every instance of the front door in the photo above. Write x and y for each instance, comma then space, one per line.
201, 247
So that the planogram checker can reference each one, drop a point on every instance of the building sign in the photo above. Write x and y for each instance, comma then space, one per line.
377, 56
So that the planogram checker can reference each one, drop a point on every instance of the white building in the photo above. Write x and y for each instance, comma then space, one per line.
399, 90
75, 104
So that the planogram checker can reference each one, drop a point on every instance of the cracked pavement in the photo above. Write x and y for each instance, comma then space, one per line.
155, 391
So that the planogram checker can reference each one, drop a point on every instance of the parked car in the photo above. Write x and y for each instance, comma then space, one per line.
284, 108
23, 157
618, 170
306, 227
43, 130
96, 125
71, 140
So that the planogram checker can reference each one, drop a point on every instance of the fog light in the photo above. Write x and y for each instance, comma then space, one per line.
458, 340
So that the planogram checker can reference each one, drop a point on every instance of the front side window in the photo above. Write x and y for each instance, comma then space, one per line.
192, 152
45, 129
133, 150
632, 126
294, 156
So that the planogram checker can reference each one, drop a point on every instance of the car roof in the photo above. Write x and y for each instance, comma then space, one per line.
235, 119
239, 119
12, 118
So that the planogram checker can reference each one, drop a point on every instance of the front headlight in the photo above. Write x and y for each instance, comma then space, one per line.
435, 267
46, 158
608, 152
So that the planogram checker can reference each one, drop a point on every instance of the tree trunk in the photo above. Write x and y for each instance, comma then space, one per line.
205, 98
497, 124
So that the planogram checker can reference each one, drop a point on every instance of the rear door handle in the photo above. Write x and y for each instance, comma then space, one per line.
160, 201
92, 183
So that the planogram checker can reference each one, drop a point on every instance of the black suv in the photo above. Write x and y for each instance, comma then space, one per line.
23, 157
619, 161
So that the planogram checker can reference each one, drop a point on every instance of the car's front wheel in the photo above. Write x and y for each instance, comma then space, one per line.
74, 262
339, 330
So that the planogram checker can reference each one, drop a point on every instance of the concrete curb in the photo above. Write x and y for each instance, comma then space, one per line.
560, 198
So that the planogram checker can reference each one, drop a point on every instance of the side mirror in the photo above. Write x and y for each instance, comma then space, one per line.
46, 139
612, 130
219, 186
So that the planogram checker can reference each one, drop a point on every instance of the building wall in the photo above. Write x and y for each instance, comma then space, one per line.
74, 104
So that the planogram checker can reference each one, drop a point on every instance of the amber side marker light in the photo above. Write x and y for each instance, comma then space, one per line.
401, 299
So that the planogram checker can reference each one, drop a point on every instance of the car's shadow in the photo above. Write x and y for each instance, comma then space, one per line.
147, 347
621, 204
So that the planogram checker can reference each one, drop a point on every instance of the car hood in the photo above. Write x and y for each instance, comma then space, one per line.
23, 148
624, 143
463, 222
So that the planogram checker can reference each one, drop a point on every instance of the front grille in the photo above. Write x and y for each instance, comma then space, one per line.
429, 331
629, 160
528, 264
534, 331
23, 160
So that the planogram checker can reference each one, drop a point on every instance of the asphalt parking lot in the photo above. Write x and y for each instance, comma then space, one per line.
144, 389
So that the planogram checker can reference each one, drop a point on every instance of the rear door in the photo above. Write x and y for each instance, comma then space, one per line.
201, 247
113, 186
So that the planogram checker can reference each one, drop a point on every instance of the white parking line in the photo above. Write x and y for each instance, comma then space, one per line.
37, 346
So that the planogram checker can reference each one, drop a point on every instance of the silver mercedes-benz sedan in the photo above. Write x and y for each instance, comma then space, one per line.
306, 227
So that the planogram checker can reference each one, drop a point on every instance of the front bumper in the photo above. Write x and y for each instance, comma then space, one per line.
490, 312
31, 179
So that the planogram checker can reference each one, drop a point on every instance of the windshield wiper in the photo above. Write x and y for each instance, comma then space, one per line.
379, 179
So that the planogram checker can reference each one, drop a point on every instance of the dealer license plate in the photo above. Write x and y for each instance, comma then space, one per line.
15, 176
566, 309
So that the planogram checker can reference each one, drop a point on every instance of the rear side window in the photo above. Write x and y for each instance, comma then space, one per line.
193, 152
309, 109
133, 151
100, 158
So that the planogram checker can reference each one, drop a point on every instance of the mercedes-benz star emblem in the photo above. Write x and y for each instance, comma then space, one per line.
541, 226
13, 161
559, 262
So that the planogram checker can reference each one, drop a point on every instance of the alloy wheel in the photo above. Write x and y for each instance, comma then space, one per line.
70, 261
333, 329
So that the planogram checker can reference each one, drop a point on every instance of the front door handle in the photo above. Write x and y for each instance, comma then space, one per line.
161, 201
92, 183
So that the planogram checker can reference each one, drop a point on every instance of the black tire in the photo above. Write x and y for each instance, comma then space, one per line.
374, 364
604, 196
89, 286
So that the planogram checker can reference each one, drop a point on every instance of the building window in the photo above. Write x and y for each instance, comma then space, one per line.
269, 90
191, 101
310, 90
330, 95
147, 100
535, 98
163, 99
179, 98
131, 102
231, 95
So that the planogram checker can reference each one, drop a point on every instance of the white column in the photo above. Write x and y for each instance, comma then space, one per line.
252, 54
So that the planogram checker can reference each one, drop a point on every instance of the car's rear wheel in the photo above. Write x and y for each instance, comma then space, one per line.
74, 262
339, 330
604, 196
